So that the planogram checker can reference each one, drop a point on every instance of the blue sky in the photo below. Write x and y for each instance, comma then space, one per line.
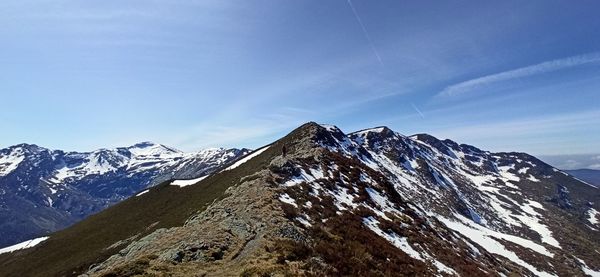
506, 76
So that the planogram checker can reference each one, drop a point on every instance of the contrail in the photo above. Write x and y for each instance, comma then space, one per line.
418, 111
365, 32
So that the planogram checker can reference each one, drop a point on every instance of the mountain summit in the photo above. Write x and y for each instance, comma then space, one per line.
43, 190
367, 203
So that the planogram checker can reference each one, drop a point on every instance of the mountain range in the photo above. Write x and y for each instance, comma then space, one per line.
322, 202
44, 190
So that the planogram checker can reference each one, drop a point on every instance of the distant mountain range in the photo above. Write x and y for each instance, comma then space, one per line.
591, 176
44, 190
322, 202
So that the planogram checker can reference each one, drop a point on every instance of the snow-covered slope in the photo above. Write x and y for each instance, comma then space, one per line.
510, 204
43, 190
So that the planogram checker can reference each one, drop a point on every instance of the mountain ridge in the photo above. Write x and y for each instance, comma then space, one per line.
43, 190
344, 204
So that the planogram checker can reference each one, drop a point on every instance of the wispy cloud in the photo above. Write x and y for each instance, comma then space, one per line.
417, 110
364, 29
548, 66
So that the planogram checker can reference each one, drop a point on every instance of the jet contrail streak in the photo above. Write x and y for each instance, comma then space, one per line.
418, 111
365, 32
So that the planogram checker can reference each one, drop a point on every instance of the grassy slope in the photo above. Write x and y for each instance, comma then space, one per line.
73, 250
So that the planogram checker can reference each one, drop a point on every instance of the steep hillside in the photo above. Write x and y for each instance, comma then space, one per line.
369, 203
44, 190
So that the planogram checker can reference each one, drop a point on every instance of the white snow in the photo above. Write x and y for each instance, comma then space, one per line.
529, 219
152, 149
142, 192
9, 163
305, 177
479, 180
144, 157
94, 163
341, 196
593, 216
304, 221
370, 130
247, 158
443, 268
532, 219
484, 237
382, 202
559, 171
492, 199
402, 244
588, 271
285, 198
23, 245
64, 173
183, 183
329, 127
98, 165
393, 238
507, 176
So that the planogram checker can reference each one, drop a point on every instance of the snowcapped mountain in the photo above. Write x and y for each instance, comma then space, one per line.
367, 203
511, 204
43, 190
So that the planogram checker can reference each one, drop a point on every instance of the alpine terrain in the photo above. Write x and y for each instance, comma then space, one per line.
319, 202
44, 190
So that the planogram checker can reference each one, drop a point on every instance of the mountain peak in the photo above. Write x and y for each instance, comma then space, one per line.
148, 148
383, 131
145, 144
28, 147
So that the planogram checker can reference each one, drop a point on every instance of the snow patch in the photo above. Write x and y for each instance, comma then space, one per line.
305, 177
10, 162
247, 158
184, 183
593, 216
533, 221
588, 271
152, 149
285, 198
303, 221
393, 238
329, 127
507, 176
23, 245
484, 237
